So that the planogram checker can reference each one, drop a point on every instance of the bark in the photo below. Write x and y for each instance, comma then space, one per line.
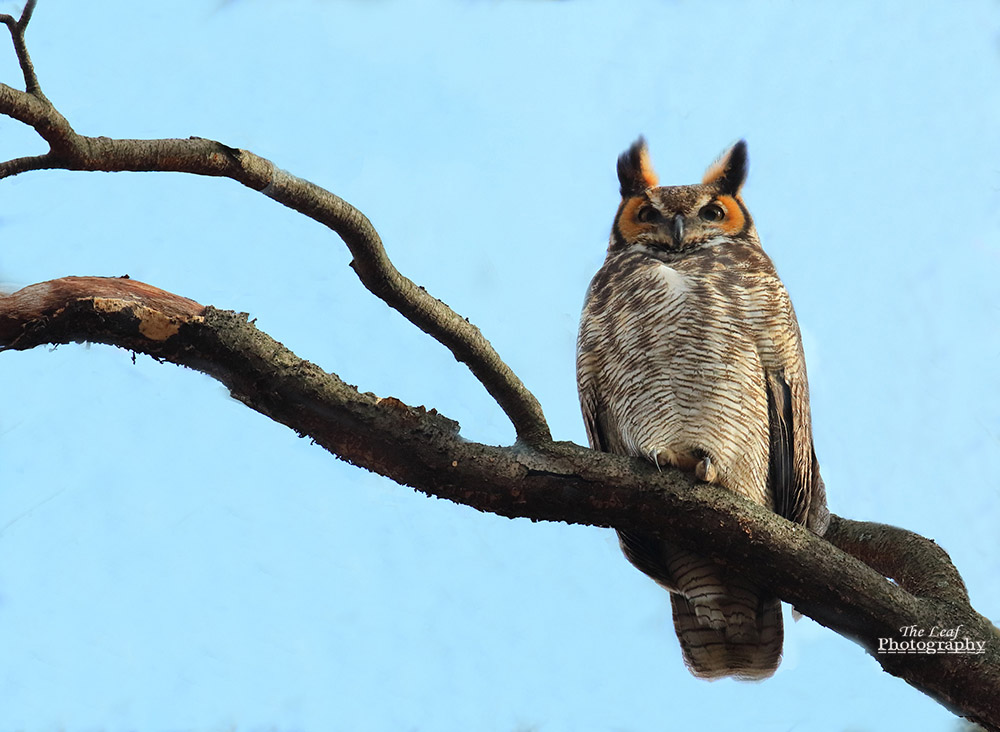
839, 580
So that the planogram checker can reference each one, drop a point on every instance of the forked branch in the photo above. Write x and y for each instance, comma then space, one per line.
71, 151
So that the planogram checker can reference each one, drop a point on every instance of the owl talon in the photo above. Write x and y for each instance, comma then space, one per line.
705, 471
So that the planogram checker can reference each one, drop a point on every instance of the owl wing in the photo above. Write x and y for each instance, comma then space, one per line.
593, 419
786, 486
602, 435
793, 474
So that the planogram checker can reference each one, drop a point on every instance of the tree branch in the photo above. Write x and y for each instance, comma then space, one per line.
554, 482
17, 28
918, 564
71, 151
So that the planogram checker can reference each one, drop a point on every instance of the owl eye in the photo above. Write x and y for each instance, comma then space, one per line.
648, 214
712, 212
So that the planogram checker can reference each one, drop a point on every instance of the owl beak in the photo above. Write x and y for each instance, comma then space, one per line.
677, 229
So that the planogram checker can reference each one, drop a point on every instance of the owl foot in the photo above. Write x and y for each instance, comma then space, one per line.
654, 455
705, 471
661, 456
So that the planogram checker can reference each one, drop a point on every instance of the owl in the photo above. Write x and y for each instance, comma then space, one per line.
689, 355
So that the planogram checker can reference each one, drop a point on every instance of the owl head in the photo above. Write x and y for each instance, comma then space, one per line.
680, 219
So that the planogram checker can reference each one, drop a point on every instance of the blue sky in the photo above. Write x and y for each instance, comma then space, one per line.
170, 560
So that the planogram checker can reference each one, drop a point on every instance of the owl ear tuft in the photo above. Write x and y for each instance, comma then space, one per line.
730, 171
635, 172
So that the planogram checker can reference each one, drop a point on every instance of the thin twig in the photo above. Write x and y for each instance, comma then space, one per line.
23, 165
17, 29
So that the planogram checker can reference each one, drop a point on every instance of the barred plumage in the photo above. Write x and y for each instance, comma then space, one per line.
689, 354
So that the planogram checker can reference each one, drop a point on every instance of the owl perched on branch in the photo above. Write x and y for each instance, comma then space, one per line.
689, 355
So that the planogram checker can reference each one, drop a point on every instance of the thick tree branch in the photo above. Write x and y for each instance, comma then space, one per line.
554, 482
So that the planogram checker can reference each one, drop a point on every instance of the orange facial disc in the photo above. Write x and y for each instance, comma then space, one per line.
735, 220
628, 223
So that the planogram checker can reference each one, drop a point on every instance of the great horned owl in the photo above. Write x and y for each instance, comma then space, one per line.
689, 355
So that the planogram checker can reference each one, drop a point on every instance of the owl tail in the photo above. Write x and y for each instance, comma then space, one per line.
752, 654
726, 625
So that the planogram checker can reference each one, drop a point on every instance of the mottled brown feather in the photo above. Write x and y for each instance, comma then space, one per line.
689, 351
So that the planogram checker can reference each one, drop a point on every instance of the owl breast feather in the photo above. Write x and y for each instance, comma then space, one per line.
676, 369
